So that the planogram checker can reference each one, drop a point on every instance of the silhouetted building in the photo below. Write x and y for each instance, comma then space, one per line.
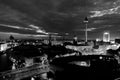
117, 41
75, 40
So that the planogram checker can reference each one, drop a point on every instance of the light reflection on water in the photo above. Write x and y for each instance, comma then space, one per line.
5, 63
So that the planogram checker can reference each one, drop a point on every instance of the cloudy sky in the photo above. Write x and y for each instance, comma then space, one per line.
35, 18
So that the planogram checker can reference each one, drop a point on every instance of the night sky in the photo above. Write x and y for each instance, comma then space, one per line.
35, 18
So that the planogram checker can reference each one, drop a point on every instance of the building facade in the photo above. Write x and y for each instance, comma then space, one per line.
106, 37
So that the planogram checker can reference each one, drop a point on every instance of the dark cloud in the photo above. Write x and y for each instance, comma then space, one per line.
73, 5
59, 15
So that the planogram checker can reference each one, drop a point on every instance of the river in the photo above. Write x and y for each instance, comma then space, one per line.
5, 63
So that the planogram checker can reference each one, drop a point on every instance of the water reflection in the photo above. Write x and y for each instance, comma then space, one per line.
5, 63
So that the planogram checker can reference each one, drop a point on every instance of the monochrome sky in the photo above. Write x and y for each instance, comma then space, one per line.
36, 18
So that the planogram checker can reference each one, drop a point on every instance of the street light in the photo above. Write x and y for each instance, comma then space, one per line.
86, 22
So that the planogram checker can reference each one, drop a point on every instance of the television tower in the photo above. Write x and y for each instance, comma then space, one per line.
86, 24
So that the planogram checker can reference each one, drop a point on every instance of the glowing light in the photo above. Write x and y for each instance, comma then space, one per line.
32, 78
101, 57
106, 33
97, 39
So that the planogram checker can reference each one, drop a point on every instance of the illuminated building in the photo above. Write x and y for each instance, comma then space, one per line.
3, 46
106, 37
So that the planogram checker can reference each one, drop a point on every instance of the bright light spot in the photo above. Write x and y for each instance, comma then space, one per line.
32, 78
13, 67
83, 63
97, 39
106, 33
101, 57
113, 42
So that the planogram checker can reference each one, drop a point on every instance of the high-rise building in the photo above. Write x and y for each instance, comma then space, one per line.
106, 37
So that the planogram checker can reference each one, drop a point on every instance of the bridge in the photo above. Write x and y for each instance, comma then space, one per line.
25, 72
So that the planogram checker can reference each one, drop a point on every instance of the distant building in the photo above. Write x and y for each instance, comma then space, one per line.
75, 40
106, 37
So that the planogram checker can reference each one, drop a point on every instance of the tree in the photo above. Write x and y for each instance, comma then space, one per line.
11, 37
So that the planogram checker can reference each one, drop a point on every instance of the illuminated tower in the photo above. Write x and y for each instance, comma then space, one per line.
86, 33
106, 37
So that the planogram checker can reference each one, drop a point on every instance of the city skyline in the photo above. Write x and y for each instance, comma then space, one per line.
33, 18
